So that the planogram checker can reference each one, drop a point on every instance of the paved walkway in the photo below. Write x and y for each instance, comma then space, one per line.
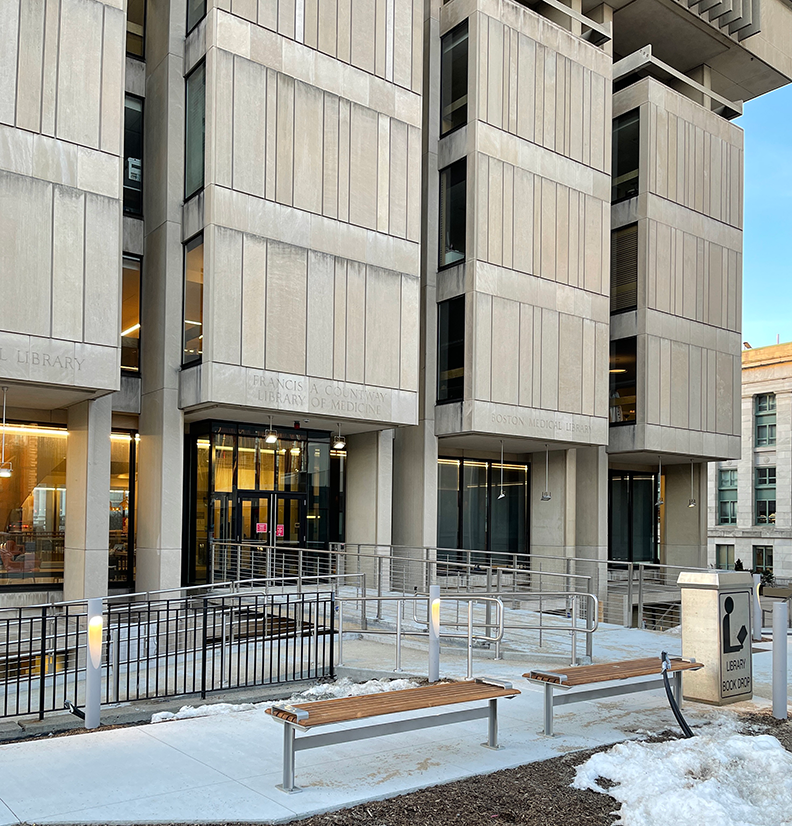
226, 767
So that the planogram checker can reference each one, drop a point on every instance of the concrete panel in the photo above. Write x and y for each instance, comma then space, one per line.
330, 150
571, 358
356, 322
362, 36
250, 127
223, 296
254, 301
285, 141
383, 323
339, 319
549, 356
113, 70
102, 314
505, 351
286, 308
9, 42
29, 67
363, 167
68, 224
308, 147
410, 333
321, 283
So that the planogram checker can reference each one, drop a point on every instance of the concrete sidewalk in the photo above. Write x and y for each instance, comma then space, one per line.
226, 767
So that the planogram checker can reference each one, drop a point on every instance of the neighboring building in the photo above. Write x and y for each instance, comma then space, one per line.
302, 272
750, 502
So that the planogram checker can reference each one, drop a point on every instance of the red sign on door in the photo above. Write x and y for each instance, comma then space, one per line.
279, 530
261, 527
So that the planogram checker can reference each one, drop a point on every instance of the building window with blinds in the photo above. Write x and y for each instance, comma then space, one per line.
623, 381
453, 185
454, 79
195, 132
136, 27
624, 269
133, 155
193, 300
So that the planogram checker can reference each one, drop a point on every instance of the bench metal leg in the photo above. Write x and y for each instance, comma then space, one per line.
548, 709
492, 725
288, 760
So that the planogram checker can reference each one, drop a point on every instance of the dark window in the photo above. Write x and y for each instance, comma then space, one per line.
632, 516
482, 512
130, 315
626, 156
454, 79
451, 349
765, 495
196, 11
453, 184
195, 135
193, 300
136, 27
623, 381
727, 497
763, 559
624, 269
765, 417
133, 155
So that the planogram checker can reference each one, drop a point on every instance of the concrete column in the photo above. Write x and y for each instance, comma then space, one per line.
160, 453
684, 534
549, 526
88, 499
591, 522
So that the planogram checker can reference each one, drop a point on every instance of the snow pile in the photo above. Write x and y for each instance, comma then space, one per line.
720, 777
322, 691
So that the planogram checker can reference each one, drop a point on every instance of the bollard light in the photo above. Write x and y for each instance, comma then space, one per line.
434, 633
95, 629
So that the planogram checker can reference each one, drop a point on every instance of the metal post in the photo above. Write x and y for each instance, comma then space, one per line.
470, 641
640, 595
780, 620
628, 609
398, 636
43, 662
756, 636
93, 663
488, 605
589, 632
363, 619
115, 661
239, 563
434, 633
316, 635
299, 569
288, 758
492, 724
340, 632
548, 709
574, 629
379, 587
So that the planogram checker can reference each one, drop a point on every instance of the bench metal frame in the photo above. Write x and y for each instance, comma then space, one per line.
293, 744
579, 694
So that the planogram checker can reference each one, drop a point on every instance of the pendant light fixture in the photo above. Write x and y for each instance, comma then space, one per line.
501, 494
692, 500
659, 481
295, 448
546, 491
339, 442
5, 467
270, 435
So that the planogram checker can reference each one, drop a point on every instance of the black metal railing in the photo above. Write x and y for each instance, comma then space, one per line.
164, 648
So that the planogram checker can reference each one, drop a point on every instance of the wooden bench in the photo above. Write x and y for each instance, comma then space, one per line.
624, 671
306, 716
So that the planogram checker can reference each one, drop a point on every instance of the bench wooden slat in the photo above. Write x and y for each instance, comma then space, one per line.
621, 670
344, 709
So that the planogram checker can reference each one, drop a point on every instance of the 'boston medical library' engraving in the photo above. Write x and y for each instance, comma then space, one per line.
45, 359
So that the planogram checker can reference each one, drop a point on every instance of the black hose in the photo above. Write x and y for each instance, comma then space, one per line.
671, 701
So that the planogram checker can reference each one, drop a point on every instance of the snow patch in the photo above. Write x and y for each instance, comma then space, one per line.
321, 691
719, 777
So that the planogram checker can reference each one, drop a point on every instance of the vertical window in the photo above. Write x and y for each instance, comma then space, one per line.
622, 381
454, 79
195, 131
196, 11
765, 418
624, 269
632, 516
133, 155
626, 156
727, 497
193, 300
451, 349
453, 185
724, 557
765, 495
136, 27
130, 315
763, 559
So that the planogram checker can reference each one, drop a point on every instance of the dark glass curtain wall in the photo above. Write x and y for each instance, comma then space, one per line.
633, 517
472, 515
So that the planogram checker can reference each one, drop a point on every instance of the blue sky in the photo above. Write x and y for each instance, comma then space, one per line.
767, 261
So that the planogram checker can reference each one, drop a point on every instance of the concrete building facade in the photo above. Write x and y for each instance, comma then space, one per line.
458, 276
750, 510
